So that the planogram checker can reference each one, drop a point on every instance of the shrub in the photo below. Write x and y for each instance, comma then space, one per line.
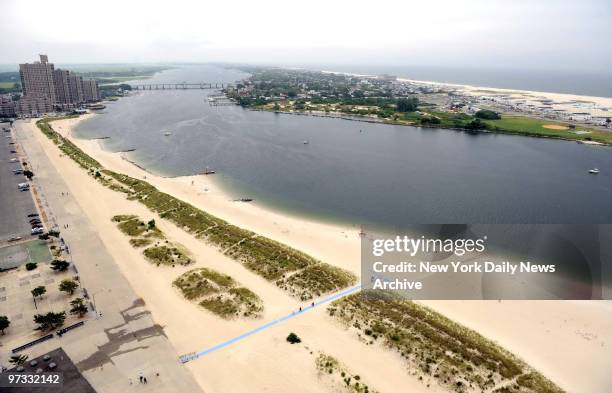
31, 266
487, 114
293, 338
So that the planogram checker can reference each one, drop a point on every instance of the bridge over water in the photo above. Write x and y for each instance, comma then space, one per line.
181, 86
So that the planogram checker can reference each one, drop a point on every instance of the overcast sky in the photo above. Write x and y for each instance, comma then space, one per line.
488, 33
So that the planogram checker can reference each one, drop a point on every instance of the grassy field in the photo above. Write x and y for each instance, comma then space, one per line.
455, 356
536, 127
7, 85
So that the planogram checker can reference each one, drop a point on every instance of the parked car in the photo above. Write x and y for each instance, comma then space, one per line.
13, 151
18, 171
33, 215
37, 230
13, 160
14, 238
35, 222
23, 186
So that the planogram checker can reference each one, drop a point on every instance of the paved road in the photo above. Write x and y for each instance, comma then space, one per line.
15, 205
113, 349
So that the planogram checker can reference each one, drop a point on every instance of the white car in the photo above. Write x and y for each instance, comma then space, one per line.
37, 230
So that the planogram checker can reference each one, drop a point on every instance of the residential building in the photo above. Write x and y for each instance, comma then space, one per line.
62, 91
46, 88
37, 79
7, 106
33, 106
91, 92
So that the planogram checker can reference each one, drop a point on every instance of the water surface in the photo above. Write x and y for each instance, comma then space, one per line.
353, 171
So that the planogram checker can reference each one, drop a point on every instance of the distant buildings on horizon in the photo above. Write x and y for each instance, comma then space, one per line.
46, 89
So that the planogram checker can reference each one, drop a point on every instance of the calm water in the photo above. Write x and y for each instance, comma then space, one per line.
354, 171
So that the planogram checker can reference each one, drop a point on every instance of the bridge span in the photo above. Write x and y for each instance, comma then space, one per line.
181, 86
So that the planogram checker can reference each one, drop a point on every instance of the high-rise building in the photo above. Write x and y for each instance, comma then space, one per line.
45, 87
75, 85
62, 92
37, 79
91, 92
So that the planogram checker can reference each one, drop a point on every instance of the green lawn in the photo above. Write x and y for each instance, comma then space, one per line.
535, 127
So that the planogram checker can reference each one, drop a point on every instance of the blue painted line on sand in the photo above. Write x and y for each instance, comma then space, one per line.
190, 357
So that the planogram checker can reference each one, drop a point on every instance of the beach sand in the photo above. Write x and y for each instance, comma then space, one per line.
570, 342
265, 361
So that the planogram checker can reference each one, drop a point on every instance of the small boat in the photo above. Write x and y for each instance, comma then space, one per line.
208, 172
246, 199
306, 142
594, 171
167, 133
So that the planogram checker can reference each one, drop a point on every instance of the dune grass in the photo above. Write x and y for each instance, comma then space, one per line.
453, 355
270, 259
218, 293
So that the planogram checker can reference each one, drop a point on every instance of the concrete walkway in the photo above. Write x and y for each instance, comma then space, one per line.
122, 341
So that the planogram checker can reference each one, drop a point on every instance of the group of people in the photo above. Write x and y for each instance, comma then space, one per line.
142, 378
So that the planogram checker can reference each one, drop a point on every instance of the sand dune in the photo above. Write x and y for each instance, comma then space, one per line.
570, 342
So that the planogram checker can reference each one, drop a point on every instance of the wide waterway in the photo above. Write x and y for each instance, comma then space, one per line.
352, 171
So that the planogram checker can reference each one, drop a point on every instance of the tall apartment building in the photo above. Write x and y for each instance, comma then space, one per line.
46, 87
75, 85
37, 79
62, 92
91, 92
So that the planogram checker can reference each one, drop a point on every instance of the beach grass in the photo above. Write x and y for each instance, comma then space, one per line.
349, 382
268, 258
438, 347
218, 293
169, 255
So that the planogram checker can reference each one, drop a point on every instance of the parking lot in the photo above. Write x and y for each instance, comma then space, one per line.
15, 205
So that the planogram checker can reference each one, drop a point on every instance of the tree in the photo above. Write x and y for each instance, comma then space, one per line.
407, 104
54, 233
31, 266
4, 323
78, 307
38, 291
151, 224
59, 265
293, 338
475, 124
29, 174
487, 114
68, 286
18, 360
50, 320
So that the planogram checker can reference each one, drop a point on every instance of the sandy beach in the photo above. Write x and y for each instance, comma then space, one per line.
596, 106
569, 342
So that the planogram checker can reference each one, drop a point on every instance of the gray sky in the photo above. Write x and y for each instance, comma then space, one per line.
489, 33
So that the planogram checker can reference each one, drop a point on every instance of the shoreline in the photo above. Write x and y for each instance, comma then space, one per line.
366, 119
535, 339
607, 101
205, 192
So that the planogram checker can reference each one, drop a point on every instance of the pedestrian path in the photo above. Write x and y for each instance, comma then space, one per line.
337, 295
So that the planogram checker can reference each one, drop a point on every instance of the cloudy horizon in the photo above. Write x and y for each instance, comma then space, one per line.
549, 34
